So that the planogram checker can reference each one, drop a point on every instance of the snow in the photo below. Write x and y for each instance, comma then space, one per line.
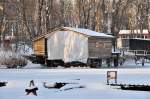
145, 31
88, 32
115, 51
131, 64
94, 81
30, 65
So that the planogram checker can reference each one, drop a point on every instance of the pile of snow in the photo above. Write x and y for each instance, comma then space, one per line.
30, 65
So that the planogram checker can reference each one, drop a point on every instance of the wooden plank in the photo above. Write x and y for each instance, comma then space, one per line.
39, 46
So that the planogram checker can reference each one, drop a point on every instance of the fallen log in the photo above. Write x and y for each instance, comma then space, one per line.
136, 87
56, 85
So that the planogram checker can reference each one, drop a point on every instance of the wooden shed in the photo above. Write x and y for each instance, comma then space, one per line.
72, 45
78, 45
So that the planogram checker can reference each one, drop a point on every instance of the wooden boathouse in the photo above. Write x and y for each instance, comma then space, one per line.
71, 46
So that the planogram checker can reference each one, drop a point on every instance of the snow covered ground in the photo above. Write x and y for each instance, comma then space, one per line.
94, 81
30, 65
131, 64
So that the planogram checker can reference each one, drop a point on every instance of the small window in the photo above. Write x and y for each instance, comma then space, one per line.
99, 44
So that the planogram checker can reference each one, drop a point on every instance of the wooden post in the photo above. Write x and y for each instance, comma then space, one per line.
111, 75
108, 62
100, 62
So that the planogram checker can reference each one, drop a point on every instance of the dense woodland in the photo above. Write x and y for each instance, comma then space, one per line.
27, 19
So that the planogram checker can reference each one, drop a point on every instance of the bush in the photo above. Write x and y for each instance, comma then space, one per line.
11, 59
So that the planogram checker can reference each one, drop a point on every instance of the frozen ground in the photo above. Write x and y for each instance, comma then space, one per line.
94, 81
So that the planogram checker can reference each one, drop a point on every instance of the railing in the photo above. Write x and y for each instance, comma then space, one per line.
140, 52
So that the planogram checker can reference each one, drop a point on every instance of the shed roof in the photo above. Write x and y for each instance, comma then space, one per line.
88, 32
38, 37
79, 30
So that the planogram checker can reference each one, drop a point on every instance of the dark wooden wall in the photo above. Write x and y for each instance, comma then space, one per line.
99, 47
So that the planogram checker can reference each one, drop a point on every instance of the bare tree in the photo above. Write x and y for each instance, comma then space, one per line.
2, 19
99, 15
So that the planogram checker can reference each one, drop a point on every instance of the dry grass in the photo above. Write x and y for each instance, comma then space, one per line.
11, 59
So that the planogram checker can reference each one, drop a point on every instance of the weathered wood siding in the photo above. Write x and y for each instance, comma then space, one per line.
99, 47
39, 46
